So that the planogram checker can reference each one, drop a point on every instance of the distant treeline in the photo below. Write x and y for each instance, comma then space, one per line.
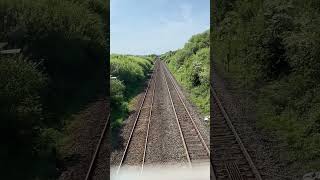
61, 68
271, 48
191, 67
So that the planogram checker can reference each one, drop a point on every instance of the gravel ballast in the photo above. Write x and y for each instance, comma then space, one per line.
165, 144
84, 137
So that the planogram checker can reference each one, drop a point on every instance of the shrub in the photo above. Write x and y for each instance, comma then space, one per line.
191, 66
70, 38
116, 92
21, 85
128, 68
131, 73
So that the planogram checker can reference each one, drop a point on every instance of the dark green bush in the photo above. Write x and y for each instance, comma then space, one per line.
21, 86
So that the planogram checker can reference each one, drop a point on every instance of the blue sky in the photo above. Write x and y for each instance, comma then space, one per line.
155, 26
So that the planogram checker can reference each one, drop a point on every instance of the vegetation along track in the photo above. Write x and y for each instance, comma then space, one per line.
135, 152
229, 158
193, 142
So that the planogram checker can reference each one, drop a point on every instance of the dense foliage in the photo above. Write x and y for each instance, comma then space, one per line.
191, 66
271, 48
128, 75
21, 110
60, 69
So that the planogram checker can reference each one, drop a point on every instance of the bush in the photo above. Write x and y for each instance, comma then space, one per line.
128, 68
41, 18
116, 92
191, 66
70, 39
131, 73
21, 85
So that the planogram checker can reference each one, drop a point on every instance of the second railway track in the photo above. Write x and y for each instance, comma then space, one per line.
91, 169
230, 159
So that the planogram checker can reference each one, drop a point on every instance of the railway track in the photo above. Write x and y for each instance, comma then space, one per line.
195, 147
94, 157
134, 153
230, 159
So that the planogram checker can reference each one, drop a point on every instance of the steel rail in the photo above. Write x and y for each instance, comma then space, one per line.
135, 122
177, 120
97, 149
149, 122
238, 139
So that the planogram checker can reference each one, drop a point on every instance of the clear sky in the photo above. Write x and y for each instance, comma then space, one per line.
155, 26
